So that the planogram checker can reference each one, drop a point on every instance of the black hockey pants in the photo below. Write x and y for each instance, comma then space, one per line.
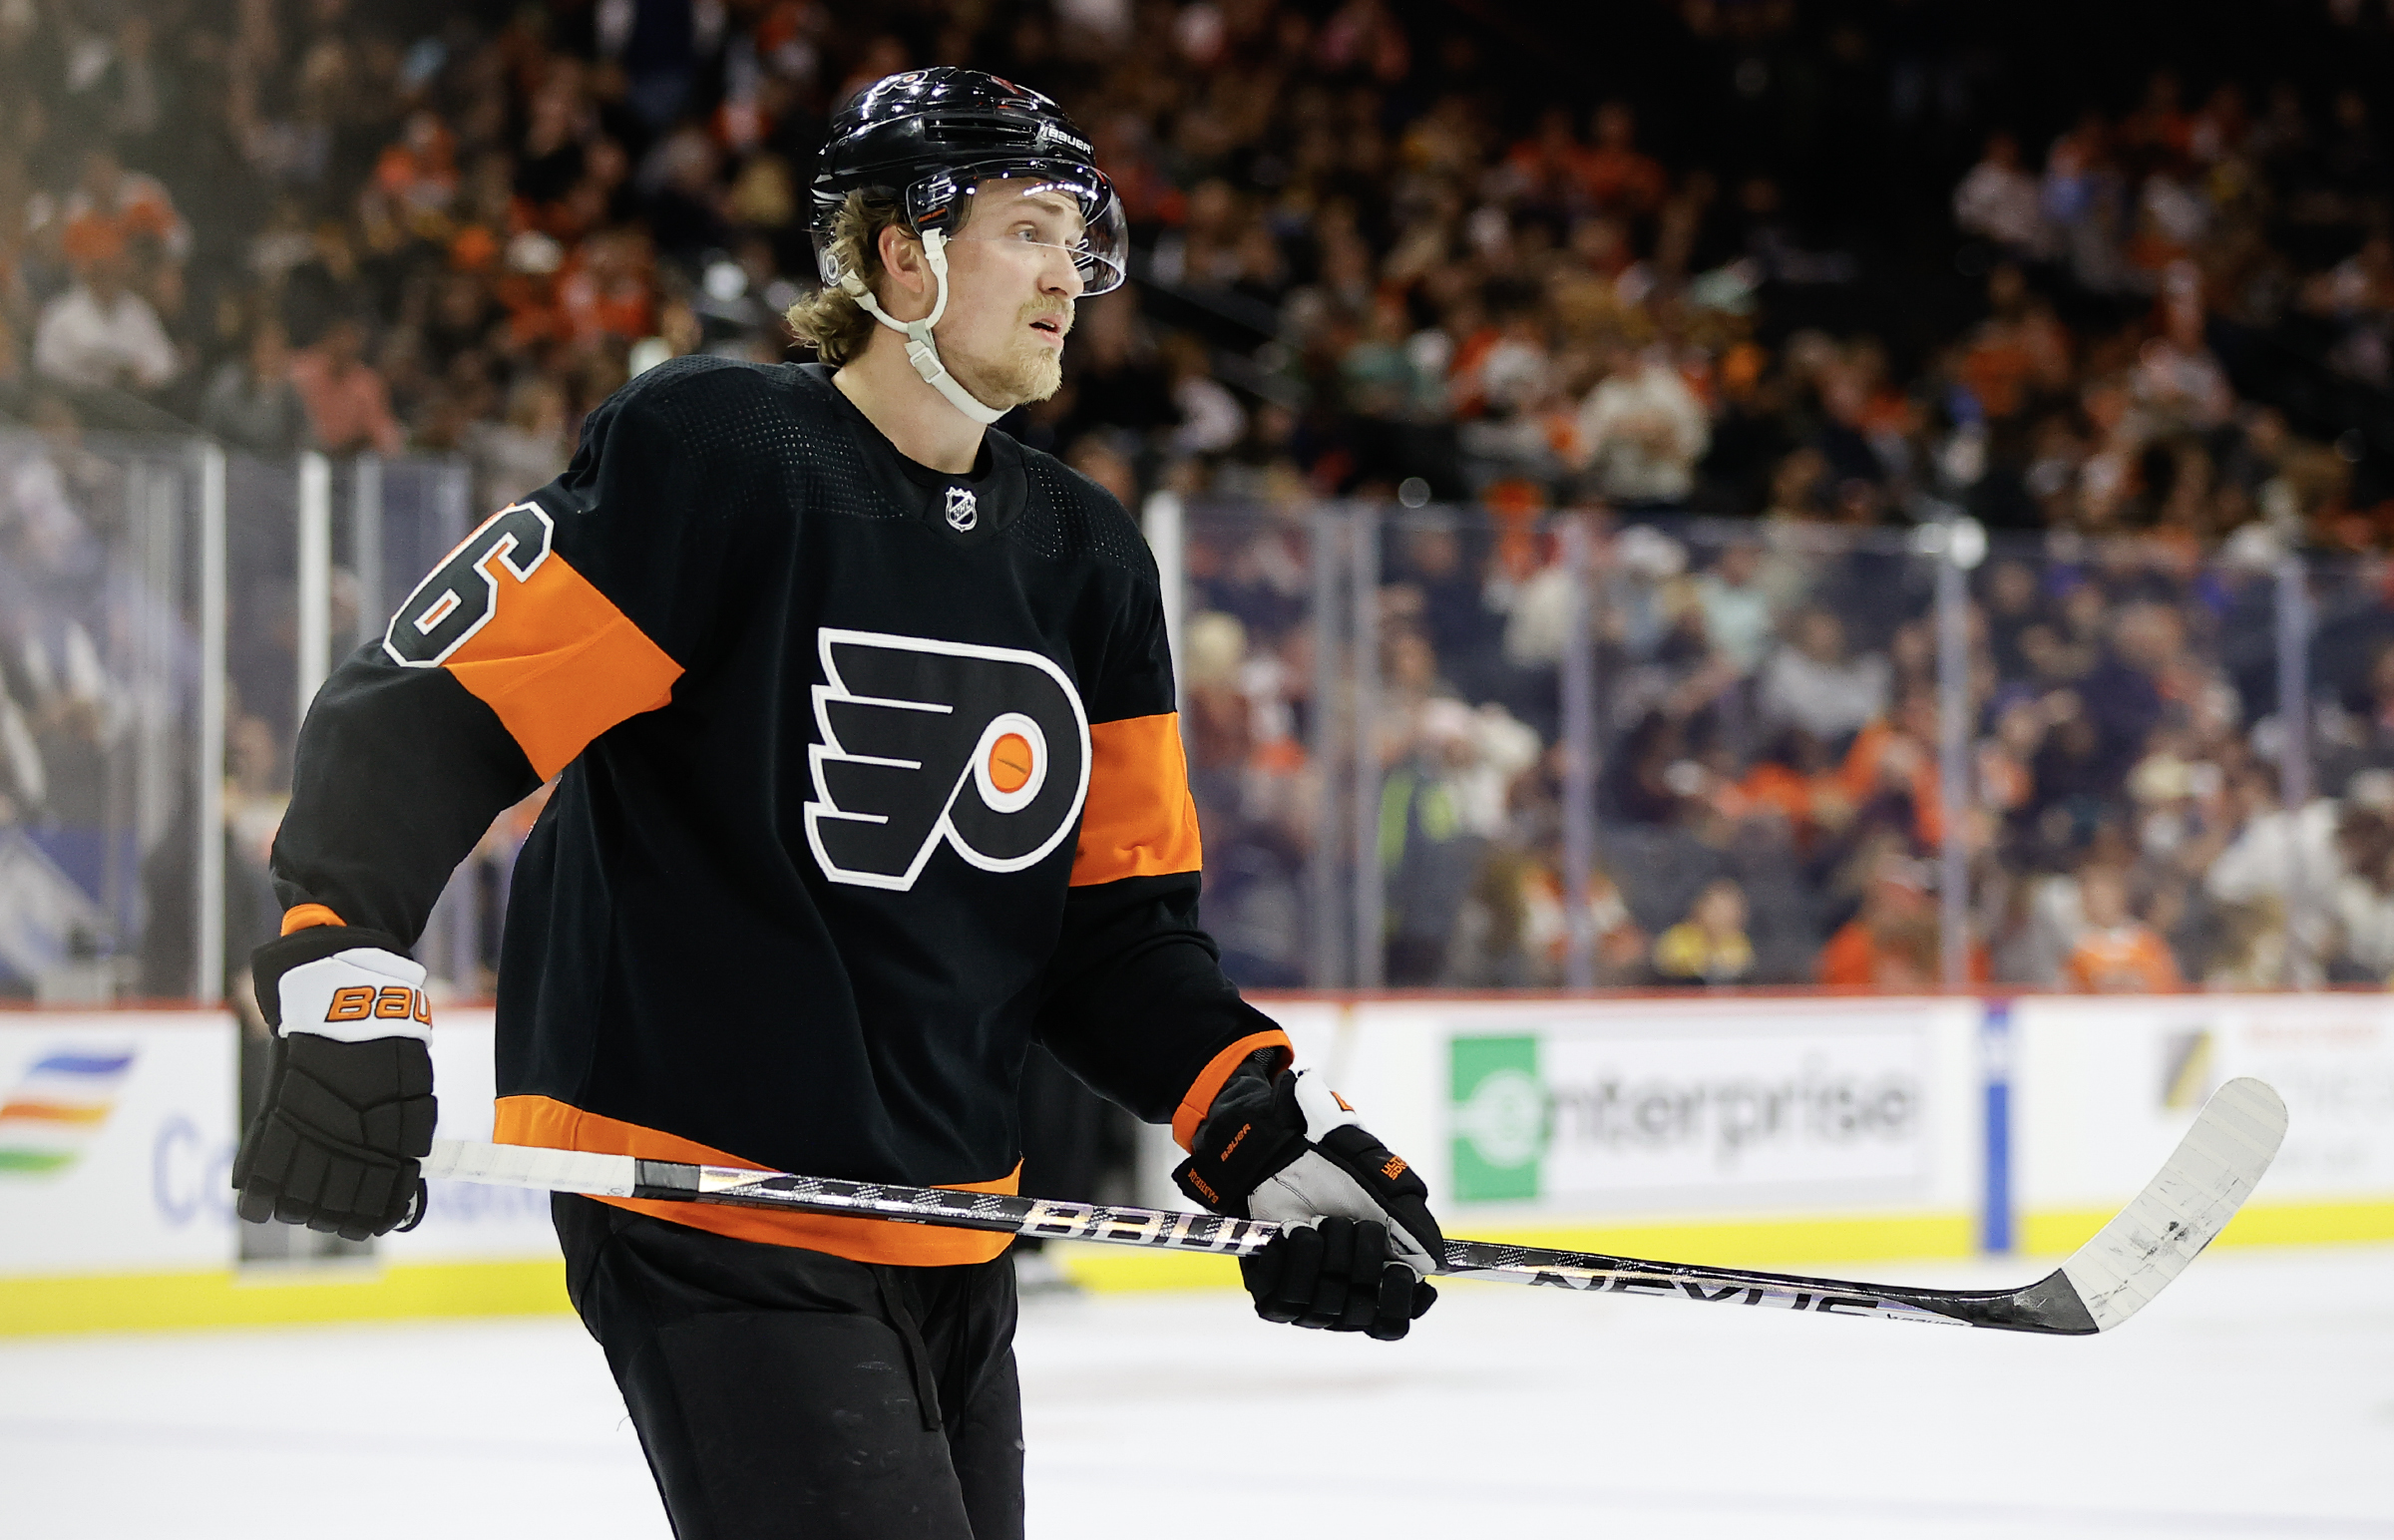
786, 1394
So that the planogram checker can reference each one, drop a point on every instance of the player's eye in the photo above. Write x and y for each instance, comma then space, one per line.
1036, 231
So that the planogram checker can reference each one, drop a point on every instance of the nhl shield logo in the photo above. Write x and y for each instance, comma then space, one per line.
963, 509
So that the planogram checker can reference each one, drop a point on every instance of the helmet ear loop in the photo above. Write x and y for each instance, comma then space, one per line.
921, 351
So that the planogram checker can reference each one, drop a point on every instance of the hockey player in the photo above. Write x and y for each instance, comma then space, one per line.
861, 720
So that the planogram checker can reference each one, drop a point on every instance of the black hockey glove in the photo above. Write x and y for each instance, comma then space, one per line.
349, 1109
1287, 1149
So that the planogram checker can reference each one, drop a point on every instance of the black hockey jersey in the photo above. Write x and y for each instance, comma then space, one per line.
868, 775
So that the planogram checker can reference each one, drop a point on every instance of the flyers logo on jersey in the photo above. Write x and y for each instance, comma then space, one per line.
923, 742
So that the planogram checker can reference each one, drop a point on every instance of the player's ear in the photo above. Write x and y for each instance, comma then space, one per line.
903, 263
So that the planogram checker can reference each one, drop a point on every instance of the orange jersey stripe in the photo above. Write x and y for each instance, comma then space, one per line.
559, 663
1138, 820
1208, 1084
550, 1124
300, 917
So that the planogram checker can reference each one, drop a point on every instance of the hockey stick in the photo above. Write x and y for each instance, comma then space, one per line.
2104, 1281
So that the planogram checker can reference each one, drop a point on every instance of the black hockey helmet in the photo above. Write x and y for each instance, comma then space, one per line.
927, 138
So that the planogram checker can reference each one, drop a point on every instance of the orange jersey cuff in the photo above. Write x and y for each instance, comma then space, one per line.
300, 917
1208, 1084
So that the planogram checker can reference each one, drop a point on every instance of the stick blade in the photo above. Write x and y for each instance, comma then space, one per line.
2207, 1179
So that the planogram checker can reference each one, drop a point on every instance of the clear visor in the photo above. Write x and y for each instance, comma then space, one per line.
1075, 214
1075, 211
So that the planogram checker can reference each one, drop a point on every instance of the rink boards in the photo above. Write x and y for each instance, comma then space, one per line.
1703, 1128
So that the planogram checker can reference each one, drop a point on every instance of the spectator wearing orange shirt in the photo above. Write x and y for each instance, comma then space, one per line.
1896, 755
1891, 945
2160, 126
2116, 954
1998, 363
131, 207
606, 289
418, 172
1616, 174
1551, 165
116, 211
1796, 779
1149, 196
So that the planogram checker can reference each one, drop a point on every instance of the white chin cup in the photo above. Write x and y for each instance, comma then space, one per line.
356, 996
921, 351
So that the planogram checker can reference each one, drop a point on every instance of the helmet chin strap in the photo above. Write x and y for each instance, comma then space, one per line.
921, 351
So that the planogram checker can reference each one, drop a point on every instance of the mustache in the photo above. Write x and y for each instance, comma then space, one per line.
1062, 317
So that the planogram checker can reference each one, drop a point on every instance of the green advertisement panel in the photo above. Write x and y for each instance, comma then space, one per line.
1499, 1118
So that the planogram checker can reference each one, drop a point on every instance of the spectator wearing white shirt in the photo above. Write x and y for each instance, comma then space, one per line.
100, 334
2278, 852
2363, 898
1211, 418
513, 459
1811, 684
1642, 430
2000, 201
2179, 383
2286, 858
1737, 609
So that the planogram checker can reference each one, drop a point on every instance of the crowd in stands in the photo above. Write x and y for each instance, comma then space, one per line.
1385, 253
2138, 812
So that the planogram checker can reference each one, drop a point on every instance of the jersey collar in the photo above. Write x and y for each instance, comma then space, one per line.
969, 507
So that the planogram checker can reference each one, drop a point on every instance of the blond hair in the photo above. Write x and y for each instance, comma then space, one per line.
830, 320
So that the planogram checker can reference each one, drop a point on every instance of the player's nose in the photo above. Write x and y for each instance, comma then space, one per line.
1063, 276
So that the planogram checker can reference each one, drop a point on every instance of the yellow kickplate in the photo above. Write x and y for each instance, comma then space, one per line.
2059, 1232
279, 1296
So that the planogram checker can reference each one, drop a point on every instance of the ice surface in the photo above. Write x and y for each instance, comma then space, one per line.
2256, 1399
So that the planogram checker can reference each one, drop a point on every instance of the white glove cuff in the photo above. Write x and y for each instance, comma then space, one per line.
356, 996
1321, 1105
